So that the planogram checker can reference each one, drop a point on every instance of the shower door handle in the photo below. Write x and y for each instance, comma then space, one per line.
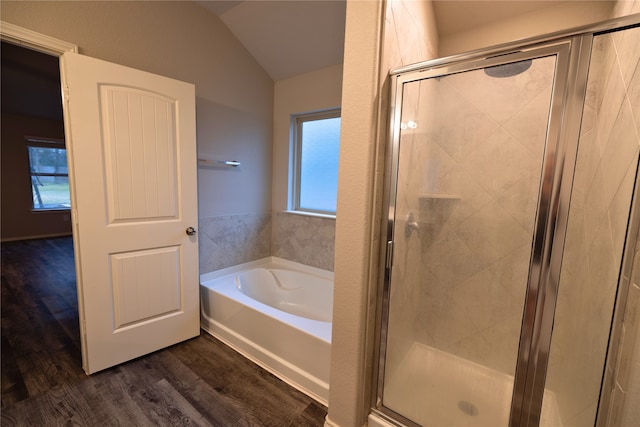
191, 231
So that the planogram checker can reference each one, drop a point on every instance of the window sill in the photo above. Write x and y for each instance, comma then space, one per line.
50, 210
313, 214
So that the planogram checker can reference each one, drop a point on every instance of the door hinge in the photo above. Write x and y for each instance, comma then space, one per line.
389, 257
66, 93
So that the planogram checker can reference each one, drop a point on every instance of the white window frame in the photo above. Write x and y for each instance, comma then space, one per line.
297, 120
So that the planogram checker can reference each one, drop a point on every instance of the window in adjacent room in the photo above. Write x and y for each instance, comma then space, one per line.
49, 174
316, 144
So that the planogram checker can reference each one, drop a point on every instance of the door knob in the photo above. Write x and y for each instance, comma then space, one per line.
191, 231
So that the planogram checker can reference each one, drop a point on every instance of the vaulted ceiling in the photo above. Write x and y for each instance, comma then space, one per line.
291, 37
287, 37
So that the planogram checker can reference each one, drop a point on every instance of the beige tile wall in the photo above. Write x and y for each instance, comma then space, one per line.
621, 391
410, 36
305, 239
603, 185
625, 410
229, 240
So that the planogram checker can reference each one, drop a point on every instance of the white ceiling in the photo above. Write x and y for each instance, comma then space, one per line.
291, 37
286, 37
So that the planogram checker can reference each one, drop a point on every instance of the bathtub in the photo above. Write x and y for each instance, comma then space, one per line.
276, 313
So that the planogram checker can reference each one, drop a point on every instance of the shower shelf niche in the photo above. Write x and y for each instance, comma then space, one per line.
435, 208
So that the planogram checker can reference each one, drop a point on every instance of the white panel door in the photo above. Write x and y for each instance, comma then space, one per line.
132, 156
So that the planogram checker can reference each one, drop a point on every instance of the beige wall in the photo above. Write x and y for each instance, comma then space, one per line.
235, 115
362, 166
315, 91
300, 238
347, 403
182, 40
241, 237
18, 220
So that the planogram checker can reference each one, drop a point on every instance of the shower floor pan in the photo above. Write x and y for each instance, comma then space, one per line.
434, 388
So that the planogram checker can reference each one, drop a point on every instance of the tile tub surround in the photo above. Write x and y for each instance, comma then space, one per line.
305, 239
233, 239
230, 240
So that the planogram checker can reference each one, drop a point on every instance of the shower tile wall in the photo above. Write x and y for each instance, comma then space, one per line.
304, 239
626, 394
233, 239
470, 255
625, 368
409, 37
603, 184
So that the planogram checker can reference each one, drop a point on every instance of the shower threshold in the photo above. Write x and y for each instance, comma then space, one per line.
434, 388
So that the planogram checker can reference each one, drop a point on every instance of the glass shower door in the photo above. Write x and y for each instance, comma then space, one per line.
470, 155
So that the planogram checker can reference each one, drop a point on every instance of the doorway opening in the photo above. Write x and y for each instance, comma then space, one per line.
39, 296
35, 186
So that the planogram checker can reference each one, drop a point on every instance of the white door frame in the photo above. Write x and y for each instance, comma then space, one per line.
51, 46
35, 41
42, 43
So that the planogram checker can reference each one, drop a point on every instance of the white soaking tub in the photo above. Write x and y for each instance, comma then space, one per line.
277, 313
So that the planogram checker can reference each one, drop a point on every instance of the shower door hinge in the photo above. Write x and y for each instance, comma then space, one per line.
389, 256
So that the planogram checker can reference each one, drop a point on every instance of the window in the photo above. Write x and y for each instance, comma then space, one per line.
316, 145
49, 174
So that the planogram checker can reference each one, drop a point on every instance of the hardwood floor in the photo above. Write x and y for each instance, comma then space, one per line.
198, 382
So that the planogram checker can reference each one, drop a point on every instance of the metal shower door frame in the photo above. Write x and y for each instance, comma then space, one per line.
550, 222
573, 52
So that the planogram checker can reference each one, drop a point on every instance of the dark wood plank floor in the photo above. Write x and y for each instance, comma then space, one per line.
198, 382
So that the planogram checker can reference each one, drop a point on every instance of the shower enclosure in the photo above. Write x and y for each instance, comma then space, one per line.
510, 197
